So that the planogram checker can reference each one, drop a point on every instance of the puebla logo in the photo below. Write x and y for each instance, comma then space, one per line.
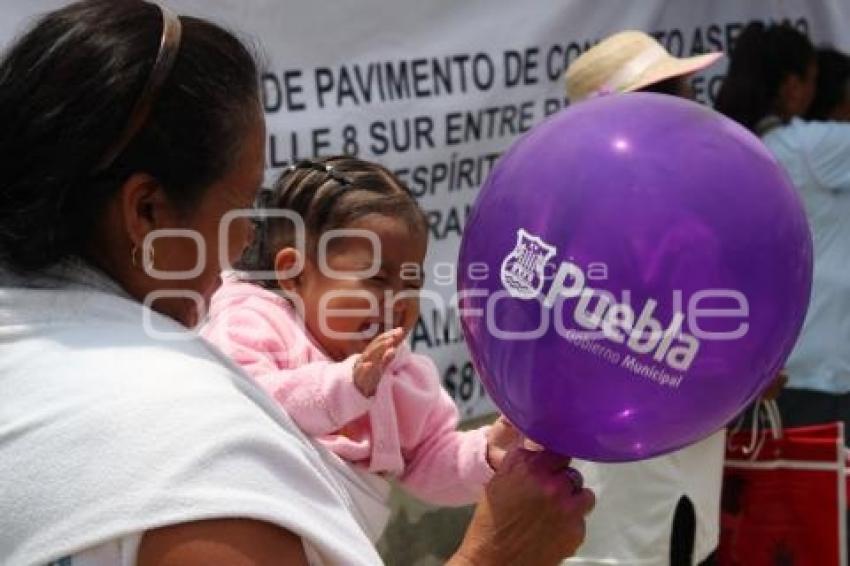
523, 268
523, 277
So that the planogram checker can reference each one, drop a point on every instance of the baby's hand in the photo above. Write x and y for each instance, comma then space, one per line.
502, 437
374, 360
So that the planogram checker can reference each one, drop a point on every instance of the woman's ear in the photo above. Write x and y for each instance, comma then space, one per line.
289, 267
144, 207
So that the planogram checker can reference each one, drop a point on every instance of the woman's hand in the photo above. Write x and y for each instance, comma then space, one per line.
532, 512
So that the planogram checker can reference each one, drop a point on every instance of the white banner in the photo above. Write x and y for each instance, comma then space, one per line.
436, 90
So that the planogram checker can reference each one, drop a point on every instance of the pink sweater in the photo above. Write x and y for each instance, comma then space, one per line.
407, 429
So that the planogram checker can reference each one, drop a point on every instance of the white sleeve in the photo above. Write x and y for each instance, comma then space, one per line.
117, 552
124, 551
829, 155
127, 441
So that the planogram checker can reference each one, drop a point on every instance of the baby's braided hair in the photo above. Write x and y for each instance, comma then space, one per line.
327, 194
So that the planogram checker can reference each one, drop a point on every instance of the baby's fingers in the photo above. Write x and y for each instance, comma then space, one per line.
396, 335
386, 338
377, 347
388, 357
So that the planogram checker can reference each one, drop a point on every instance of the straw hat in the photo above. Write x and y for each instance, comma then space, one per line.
628, 61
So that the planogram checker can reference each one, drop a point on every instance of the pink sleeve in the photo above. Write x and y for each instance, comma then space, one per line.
448, 466
320, 396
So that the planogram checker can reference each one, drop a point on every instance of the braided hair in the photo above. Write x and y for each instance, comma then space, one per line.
327, 194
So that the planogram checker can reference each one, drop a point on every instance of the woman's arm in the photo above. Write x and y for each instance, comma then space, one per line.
531, 513
234, 542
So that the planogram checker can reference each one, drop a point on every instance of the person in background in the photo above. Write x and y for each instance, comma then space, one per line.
832, 91
632, 61
665, 510
771, 85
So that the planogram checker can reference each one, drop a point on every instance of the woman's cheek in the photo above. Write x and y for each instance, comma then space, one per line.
211, 283
230, 243
226, 240
242, 234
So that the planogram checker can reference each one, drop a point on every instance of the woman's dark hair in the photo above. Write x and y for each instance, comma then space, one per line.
67, 89
327, 194
763, 57
833, 85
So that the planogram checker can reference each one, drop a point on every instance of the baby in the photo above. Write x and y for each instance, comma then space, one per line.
325, 335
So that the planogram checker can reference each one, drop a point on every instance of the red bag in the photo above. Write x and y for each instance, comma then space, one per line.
784, 496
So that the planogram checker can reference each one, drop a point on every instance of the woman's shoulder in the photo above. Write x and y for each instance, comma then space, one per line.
808, 134
100, 354
88, 362
114, 421
815, 153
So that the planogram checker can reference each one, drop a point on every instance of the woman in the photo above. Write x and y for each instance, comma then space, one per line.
665, 510
769, 87
124, 439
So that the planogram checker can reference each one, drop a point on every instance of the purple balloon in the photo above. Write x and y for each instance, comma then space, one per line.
635, 271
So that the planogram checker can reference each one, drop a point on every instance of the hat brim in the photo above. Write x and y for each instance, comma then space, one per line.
674, 67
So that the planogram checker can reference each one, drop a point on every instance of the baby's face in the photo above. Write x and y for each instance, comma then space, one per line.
344, 309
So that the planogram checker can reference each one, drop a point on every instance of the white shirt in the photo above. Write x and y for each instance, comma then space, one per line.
632, 522
816, 156
106, 432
